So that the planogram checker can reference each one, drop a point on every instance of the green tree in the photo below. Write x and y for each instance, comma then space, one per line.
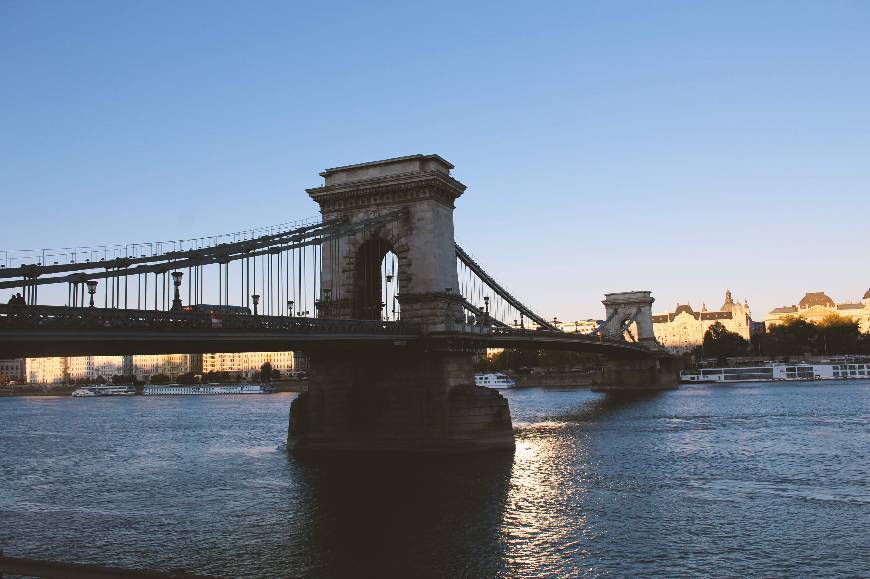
721, 343
266, 372
160, 379
187, 378
516, 359
837, 335
124, 379
793, 337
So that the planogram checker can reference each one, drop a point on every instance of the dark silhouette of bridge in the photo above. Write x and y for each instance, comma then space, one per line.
388, 307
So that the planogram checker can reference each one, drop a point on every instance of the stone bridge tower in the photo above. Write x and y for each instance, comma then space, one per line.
626, 308
420, 186
414, 396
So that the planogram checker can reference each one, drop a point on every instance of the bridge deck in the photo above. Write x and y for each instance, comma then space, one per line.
33, 331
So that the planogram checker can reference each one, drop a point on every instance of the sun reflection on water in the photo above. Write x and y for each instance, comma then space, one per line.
547, 480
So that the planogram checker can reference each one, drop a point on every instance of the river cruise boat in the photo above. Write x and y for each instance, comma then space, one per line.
498, 381
206, 389
88, 391
778, 372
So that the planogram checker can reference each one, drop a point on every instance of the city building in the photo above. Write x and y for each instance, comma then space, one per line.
172, 365
93, 367
46, 370
578, 327
816, 306
683, 329
74, 368
249, 363
12, 370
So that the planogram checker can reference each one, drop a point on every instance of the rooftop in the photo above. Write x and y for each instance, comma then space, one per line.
816, 299
385, 168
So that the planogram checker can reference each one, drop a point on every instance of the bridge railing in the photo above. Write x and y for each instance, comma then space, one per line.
546, 333
62, 317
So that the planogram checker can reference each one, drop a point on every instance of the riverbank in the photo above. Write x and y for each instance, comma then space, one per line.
290, 385
559, 379
37, 390
67, 389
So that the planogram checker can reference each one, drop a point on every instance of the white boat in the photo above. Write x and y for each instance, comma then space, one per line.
494, 380
87, 391
778, 372
205, 389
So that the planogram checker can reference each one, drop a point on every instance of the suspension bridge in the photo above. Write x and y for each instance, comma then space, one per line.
389, 308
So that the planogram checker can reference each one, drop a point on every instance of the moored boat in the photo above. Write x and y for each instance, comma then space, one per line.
105, 390
778, 372
205, 389
494, 380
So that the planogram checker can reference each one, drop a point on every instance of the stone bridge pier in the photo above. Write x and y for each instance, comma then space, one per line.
406, 397
629, 314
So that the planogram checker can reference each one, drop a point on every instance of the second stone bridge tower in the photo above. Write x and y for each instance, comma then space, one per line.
404, 397
421, 188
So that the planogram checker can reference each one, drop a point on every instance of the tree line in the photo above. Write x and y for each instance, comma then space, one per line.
518, 360
795, 336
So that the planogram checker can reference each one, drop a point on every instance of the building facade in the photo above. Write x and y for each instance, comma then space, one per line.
13, 370
46, 370
683, 329
248, 364
816, 306
58, 370
93, 367
172, 365
578, 327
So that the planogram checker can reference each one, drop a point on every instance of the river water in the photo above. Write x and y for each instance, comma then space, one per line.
760, 479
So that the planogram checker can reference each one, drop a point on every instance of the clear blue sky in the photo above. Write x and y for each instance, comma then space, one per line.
681, 147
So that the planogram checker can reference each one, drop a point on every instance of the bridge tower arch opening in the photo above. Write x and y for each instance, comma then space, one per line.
416, 396
376, 280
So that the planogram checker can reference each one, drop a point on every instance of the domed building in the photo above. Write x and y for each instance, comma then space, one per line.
816, 306
683, 329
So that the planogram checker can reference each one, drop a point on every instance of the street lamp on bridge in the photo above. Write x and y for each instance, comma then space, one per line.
92, 289
176, 281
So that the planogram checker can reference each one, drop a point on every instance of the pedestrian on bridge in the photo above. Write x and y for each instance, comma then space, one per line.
17, 300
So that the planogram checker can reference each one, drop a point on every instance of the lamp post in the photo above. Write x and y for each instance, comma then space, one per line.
290, 307
256, 299
319, 305
92, 289
176, 281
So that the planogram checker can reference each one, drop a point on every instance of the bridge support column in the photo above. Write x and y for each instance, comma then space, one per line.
397, 401
658, 373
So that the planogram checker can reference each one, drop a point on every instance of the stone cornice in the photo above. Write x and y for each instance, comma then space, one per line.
393, 189
332, 170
